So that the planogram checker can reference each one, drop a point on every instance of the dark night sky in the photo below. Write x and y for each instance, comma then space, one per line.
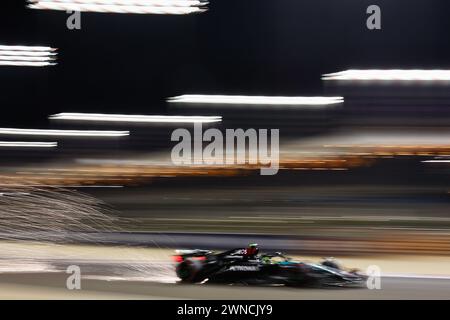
130, 63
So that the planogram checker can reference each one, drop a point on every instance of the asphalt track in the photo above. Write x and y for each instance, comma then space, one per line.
106, 281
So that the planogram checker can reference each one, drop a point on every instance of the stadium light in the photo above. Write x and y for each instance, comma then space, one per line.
67, 133
389, 75
25, 144
255, 100
30, 56
134, 118
123, 6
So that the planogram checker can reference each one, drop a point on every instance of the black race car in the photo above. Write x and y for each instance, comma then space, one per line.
237, 267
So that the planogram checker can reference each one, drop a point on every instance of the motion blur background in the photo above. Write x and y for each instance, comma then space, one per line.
366, 176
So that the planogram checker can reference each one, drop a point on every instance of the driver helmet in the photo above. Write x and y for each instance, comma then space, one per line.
252, 249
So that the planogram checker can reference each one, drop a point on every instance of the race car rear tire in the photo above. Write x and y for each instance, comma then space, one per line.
188, 271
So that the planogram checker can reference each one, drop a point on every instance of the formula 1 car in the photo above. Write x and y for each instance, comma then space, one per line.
236, 267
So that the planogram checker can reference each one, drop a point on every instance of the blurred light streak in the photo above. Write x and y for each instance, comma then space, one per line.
96, 186
22, 58
14, 193
26, 48
398, 150
118, 6
135, 118
28, 53
59, 186
389, 75
25, 144
151, 3
256, 100
68, 133
25, 64
27, 56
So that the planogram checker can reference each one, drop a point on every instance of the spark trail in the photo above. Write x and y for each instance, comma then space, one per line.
41, 229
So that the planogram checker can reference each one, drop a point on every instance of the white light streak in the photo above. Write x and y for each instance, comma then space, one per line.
26, 48
437, 161
26, 144
135, 118
152, 7
255, 100
22, 58
389, 75
146, 3
27, 56
67, 133
27, 53
26, 64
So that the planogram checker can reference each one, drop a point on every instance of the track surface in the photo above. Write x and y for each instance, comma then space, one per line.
106, 281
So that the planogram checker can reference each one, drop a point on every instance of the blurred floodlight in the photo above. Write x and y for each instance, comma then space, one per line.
67, 133
123, 6
389, 75
148, 3
20, 58
386, 138
26, 144
25, 63
29, 56
27, 53
135, 118
255, 100
26, 48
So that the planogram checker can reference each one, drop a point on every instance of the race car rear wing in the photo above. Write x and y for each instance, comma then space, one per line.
194, 252
182, 255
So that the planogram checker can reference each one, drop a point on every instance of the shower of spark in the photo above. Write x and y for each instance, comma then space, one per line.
53, 215
42, 228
